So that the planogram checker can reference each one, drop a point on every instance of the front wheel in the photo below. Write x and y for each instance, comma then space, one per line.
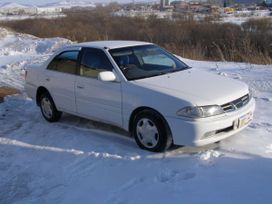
48, 108
151, 132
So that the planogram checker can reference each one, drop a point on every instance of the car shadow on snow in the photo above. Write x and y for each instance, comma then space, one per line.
24, 125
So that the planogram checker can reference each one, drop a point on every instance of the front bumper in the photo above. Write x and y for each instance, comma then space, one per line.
208, 130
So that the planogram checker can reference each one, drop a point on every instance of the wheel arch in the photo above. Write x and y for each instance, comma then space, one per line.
143, 108
40, 91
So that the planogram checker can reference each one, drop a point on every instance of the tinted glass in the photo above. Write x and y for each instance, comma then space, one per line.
146, 61
94, 61
65, 62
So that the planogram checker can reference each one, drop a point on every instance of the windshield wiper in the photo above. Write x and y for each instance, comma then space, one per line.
177, 70
163, 73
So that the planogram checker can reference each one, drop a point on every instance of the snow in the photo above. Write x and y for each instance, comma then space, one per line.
24, 17
19, 50
81, 161
240, 17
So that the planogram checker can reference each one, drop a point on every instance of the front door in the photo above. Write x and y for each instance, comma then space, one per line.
97, 99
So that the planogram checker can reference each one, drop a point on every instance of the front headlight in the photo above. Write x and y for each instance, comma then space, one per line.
200, 111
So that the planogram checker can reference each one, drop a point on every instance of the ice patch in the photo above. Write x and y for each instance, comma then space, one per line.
209, 157
223, 74
210, 154
137, 157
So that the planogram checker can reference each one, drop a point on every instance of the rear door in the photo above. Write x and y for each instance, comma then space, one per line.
97, 99
60, 79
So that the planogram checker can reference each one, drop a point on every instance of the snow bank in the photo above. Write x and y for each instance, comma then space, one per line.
17, 51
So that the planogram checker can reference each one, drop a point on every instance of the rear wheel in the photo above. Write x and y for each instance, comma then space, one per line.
151, 132
48, 108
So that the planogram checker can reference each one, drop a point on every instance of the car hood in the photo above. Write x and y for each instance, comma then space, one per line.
197, 87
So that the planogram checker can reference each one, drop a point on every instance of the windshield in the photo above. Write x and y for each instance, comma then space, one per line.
146, 61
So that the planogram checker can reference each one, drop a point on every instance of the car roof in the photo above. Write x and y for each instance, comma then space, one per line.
111, 44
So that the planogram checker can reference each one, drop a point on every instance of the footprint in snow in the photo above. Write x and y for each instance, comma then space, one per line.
265, 99
266, 126
237, 77
214, 69
173, 175
188, 175
167, 176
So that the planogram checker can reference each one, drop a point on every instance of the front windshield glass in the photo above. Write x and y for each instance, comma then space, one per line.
145, 61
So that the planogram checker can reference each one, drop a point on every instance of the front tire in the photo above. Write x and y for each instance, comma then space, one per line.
151, 132
48, 108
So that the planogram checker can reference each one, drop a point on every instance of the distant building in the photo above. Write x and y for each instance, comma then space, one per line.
181, 6
18, 9
48, 10
165, 5
194, 7
245, 2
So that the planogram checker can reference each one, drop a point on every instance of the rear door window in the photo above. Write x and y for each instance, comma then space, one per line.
65, 62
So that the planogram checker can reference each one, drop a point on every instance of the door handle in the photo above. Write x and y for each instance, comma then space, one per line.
80, 87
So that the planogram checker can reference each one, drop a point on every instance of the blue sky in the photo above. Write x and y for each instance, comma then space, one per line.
39, 2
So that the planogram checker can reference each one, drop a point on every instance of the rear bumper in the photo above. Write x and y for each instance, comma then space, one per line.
208, 130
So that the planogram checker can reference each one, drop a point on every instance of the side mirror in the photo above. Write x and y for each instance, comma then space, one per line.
106, 76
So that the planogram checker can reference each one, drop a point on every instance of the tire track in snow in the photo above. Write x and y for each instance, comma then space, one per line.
115, 197
262, 125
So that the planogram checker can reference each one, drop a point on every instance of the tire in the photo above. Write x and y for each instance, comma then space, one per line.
48, 108
151, 132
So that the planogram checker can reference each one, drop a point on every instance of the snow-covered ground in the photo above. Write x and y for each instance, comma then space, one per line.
80, 161
23, 17
240, 17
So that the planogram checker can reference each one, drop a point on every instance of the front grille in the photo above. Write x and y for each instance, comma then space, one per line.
236, 104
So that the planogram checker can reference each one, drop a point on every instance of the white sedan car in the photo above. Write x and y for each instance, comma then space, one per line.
143, 89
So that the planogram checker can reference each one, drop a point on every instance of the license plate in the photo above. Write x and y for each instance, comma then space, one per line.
245, 119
